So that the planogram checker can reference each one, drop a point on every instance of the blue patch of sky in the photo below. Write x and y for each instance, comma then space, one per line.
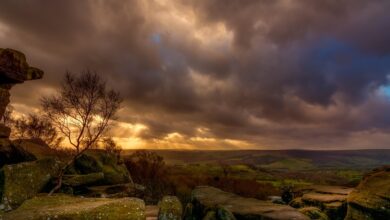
385, 90
155, 38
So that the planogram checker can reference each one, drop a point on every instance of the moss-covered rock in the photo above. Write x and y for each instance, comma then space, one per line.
314, 213
95, 161
76, 208
22, 181
205, 198
170, 208
371, 199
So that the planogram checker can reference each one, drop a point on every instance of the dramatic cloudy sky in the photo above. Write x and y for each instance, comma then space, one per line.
218, 74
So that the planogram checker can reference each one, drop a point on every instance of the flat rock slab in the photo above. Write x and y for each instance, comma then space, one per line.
331, 200
76, 208
340, 190
205, 197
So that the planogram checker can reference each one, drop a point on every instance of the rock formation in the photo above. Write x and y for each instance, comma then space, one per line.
205, 199
14, 69
371, 199
332, 200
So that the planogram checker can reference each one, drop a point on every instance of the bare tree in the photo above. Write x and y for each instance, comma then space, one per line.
81, 111
111, 147
36, 127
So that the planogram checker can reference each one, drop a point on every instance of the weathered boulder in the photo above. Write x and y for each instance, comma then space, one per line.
12, 154
13, 69
331, 200
22, 181
116, 191
205, 198
76, 208
371, 199
170, 208
94, 161
314, 213
36, 147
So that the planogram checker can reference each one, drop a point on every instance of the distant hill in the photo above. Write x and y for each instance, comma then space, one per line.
282, 159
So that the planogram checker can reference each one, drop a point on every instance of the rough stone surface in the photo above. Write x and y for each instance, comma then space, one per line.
371, 199
94, 161
22, 181
13, 69
12, 154
170, 208
76, 208
205, 198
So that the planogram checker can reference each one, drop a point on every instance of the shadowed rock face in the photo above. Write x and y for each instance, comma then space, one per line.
14, 69
205, 198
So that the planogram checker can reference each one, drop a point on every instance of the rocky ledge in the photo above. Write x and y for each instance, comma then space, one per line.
331, 200
371, 199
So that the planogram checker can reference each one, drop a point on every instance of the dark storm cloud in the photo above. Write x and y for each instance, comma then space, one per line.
292, 74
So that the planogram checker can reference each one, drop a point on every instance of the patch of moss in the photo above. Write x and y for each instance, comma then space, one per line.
170, 208
76, 208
